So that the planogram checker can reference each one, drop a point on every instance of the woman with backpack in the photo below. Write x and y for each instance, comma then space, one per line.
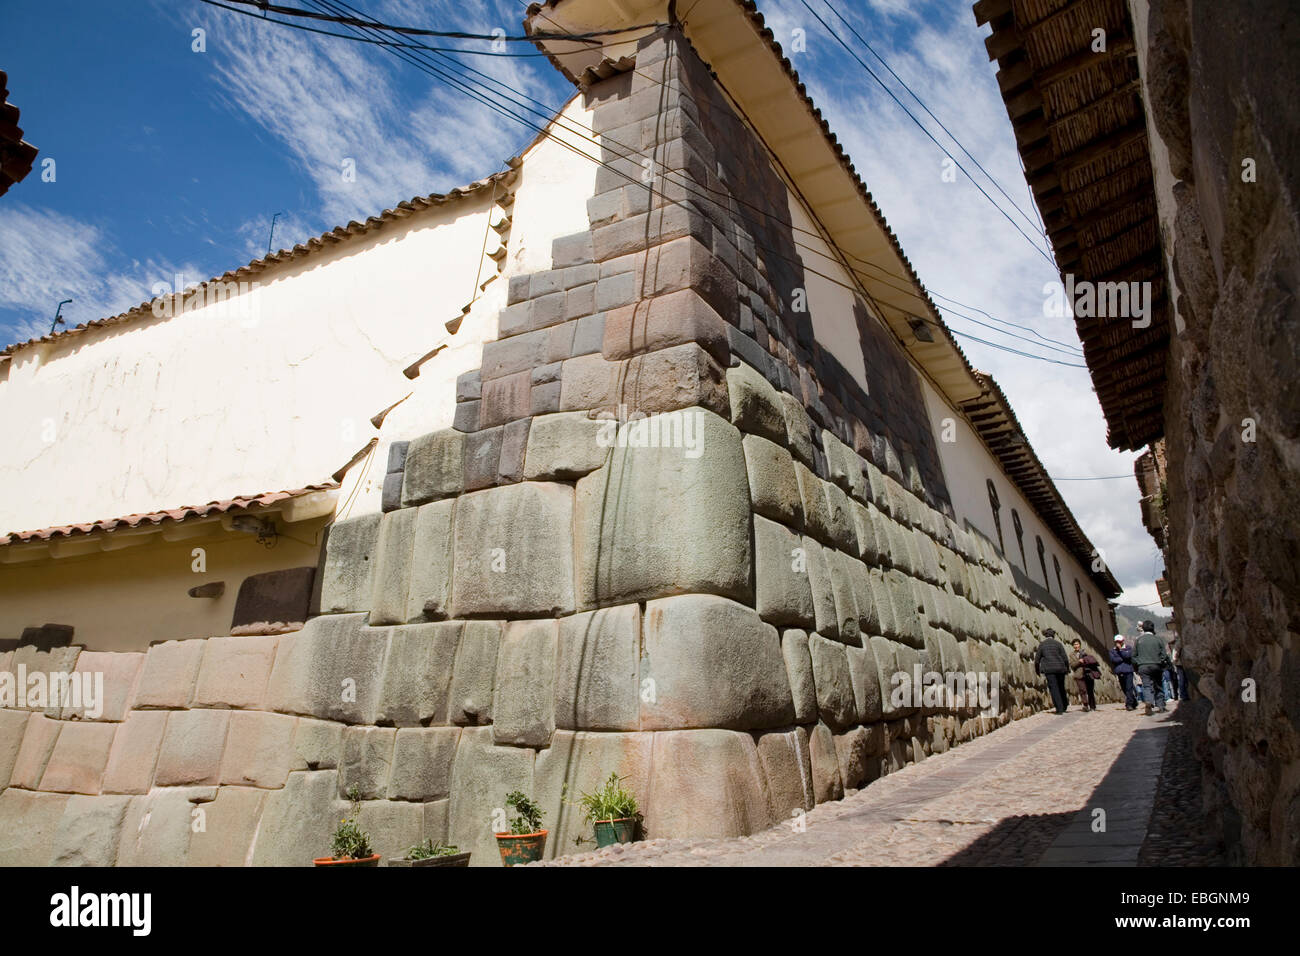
1087, 672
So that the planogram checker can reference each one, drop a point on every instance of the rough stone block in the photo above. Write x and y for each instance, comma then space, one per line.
597, 663
672, 378
89, 831
566, 446
782, 592
259, 750
473, 681
36, 656
634, 515
870, 546
843, 465
589, 335
366, 762
514, 442
507, 399
714, 663
230, 827
706, 783
121, 672
76, 764
298, 820
798, 428
422, 760
29, 826
865, 676
787, 772
583, 762
317, 744
435, 467
332, 668
885, 653
481, 776
39, 738
514, 551
589, 381
523, 706
816, 514
798, 666
191, 749
825, 614
429, 591
675, 319
170, 672
852, 750
755, 404
13, 724
827, 783
834, 682
135, 752
234, 672
773, 486
842, 570
394, 826
417, 673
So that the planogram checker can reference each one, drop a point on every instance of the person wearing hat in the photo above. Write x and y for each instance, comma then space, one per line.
1121, 662
1053, 663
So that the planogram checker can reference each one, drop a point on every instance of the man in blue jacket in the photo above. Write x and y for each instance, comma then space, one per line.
1121, 662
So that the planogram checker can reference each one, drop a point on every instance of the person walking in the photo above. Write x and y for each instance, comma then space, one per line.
1088, 672
1051, 661
1121, 662
1150, 659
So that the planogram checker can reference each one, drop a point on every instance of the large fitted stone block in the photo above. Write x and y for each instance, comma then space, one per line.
392, 577
349, 565
885, 652
674, 319
13, 724
852, 749
865, 518
474, 679
435, 467
773, 487
787, 772
481, 777
332, 668
191, 748
834, 682
169, 674
418, 672
656, 521
259, 750
866, 682
514, 551
798, 428
121, 671
429, 592
422, 759
89, 831
366, 762
782, 592
317, 744
135, 752
798, 667
845, 594
714, 663
706, 783
583, 762
819, 579
39, 738
565, 446
523, 705
839, 516
230, 826
755, 405
234, 672
827, 783
298, 820
39, 659
816, 513
394, 826
596, 679
77, 762
29, 824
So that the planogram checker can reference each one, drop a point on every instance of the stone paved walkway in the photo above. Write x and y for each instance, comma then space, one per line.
1022, 795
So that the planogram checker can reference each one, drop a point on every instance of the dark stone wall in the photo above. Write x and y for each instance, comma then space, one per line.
1223, 89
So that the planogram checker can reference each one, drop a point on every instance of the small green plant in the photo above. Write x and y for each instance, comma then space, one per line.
610, 802
350, 841
528, 815
428, 850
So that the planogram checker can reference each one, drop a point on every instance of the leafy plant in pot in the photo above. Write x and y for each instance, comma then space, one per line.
429, 853
526, 840
612, 811
351, 844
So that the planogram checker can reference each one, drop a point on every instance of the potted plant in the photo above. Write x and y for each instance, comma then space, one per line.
429, 853
351, 846
612, 811
526, 840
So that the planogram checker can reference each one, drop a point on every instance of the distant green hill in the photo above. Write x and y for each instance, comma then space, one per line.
1127, 618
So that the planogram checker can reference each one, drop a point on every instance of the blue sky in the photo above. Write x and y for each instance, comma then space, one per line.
174, 161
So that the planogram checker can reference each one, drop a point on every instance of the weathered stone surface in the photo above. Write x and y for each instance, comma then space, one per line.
596, 679
825, 614
845, 595
827, 783
883, 603
298, 820
566, 446
259, 750
834, 682
799, 670
706, 783
798, 428
394, 826
418, 672
230, 825
474, 679
675, 319
852, 749
13, 724
907, 608
635, 514
435, 467
135, 752
885, 653
77, 762
782, 592
514, 551
755, 404
366, 762
29, 825
317, 744
787, 772
844, 466
773, 486
170, 672
157, 828
908, 659
481, 776
422, 759
584, 762
714, 663
349, 562
39, 739
673, 378
429, 591
866, 682
234, 672
332, 668
38, 657
392, 575
89, 831
191, 750
839, 516
523, 705
121, 672
816, 515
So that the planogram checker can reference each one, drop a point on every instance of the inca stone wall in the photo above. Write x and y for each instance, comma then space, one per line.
712, 601
1222, 90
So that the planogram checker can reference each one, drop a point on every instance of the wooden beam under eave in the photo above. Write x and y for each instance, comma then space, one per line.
1075, 63
1002, 42
1097, 148
986, 10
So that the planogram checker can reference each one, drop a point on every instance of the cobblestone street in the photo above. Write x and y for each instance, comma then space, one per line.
1026, 794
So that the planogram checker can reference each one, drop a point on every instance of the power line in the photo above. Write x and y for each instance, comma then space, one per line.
1096, 478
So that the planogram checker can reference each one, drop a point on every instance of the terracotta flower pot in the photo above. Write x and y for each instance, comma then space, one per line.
372, 860
518, 848
609, 832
